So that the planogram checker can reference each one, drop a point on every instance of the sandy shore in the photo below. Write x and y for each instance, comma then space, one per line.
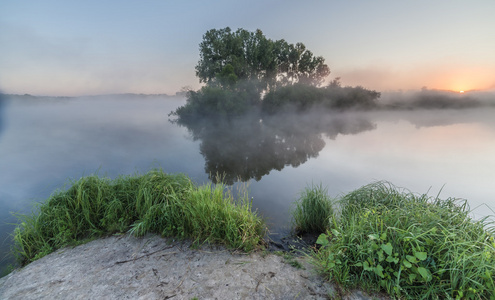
125, 267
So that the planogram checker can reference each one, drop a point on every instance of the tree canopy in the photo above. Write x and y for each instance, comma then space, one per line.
246, 71
227, 57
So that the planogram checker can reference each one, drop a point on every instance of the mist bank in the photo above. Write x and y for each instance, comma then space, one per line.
2, 117
435, 99
28, 97
301, 98
298, 98
252, 144
242, 99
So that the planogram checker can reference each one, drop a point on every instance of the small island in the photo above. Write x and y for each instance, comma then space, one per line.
245, 72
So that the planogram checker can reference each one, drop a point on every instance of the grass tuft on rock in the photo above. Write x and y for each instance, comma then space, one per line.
411, 246
155, 202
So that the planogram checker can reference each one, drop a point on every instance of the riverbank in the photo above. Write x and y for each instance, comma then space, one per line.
127, 267
376, 238
155, 202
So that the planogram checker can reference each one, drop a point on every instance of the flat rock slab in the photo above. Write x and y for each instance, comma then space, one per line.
125, 267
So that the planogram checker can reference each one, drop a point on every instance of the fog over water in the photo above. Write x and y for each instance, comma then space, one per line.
46, 141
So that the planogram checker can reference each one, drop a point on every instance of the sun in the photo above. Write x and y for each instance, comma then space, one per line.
461, 92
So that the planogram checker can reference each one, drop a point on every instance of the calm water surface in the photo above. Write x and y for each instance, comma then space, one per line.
44, 142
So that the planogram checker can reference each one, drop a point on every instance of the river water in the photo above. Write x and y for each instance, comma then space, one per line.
44, 142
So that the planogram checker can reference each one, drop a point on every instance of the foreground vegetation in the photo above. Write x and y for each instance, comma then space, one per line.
378, 237
411, 246
165, 204
313, 210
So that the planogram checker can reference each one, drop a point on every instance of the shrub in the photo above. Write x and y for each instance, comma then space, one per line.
411, 246
300, 97
313, 210
213, 101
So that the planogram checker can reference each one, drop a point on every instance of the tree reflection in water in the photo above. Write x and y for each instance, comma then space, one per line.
244, 148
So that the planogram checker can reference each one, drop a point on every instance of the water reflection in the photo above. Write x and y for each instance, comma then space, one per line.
249, 147
46, 141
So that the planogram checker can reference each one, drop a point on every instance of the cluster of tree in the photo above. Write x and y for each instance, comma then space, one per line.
300, 97
238, 67
227, 57
212, 101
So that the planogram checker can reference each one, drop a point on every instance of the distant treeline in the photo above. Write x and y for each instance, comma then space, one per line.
105, 96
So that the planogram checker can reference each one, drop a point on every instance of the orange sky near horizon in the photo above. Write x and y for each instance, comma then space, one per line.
439, 77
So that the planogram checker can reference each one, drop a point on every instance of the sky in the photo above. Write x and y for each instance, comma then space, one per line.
73, 48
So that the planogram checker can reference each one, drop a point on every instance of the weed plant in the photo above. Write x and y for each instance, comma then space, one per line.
412, 246
165, 204
313, 210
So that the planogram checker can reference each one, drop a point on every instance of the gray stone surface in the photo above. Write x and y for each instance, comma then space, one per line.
126, 267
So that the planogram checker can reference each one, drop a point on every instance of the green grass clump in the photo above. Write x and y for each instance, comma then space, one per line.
313, 210
165, 204
411, 246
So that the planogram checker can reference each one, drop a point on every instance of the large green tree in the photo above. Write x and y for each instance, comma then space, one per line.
296, 64
227, 57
